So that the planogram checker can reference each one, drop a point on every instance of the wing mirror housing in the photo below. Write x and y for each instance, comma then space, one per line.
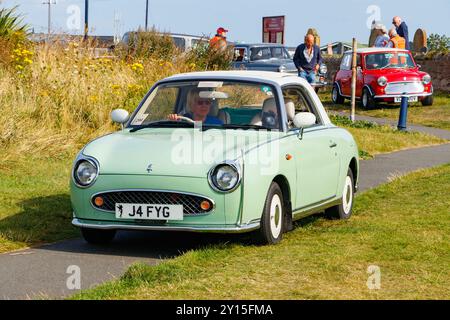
120, 116
304, 120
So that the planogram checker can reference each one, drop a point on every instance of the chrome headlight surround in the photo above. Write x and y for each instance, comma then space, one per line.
426, 79
213, 178
90, 161
282, 69
323, 69
382, 81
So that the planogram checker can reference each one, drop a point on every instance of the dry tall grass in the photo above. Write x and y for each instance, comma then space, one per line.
54, 99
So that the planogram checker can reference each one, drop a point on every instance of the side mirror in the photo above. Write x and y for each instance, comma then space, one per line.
304, 120
120, 116
419, 66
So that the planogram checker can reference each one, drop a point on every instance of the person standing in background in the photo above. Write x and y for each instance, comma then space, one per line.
382, 39
402, 30
219, 41
307, 59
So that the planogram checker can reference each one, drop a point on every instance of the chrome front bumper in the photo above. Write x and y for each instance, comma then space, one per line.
207, 229
384, 96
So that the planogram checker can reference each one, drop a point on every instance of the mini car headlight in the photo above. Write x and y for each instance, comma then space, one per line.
282, 69
426, 79
382, 81
85, 173
323, 69
224, 177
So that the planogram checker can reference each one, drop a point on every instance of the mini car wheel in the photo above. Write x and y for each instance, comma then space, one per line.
367, 101
344, 209
96, 236
336, 96
428, 101
271, 231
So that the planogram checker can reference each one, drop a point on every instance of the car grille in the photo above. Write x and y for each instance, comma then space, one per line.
191, 203
402, 87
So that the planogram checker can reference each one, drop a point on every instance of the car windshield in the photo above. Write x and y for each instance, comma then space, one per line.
216, 104
388, 60
265, 53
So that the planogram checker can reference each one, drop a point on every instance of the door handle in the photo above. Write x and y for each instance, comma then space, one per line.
333, 144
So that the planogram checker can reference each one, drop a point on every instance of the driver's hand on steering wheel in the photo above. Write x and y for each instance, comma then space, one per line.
173, 117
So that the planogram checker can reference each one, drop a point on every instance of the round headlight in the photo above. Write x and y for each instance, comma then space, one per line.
426, 79
85, 173
224, 177
382, 81
323, 69
282, 69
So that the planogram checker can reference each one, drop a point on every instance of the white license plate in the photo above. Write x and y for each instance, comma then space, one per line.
149, 211
410, 99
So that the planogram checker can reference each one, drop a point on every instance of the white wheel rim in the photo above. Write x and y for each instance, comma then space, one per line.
276, 214
347, 195
334, 94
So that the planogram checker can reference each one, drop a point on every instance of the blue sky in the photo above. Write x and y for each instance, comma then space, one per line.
335, 20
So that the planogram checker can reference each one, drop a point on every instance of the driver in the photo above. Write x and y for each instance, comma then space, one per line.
200, 109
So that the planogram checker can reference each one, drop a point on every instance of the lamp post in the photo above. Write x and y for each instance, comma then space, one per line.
86, 19
146, 15
49, 27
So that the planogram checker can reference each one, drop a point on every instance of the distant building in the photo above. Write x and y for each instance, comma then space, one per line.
338, 48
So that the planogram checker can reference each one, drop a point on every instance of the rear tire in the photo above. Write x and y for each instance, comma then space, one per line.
367, 100
96, 236
343, 211
336, 96
428, 101
272, 220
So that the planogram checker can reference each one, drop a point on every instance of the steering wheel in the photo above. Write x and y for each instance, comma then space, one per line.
185, 119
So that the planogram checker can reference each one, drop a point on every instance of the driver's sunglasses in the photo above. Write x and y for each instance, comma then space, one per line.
203, 102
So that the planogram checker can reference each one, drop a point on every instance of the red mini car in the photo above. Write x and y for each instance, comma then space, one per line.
383, 75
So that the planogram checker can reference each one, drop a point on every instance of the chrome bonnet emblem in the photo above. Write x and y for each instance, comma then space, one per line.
150, 168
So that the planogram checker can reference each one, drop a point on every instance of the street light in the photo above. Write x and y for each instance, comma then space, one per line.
146, 16
86, 19
49, 3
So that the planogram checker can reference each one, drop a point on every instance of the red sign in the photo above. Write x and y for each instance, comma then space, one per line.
273, 29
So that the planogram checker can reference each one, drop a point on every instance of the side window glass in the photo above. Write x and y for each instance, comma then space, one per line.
297, 97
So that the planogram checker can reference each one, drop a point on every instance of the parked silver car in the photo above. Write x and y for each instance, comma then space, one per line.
270, 57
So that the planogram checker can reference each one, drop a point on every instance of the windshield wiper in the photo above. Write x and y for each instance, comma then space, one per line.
244, 126
164, 123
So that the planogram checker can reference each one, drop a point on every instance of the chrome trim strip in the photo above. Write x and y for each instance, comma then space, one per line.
306, 211
156, 190
211, 229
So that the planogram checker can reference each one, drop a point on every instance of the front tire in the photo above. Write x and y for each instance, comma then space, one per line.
367, 100
96, 236
344, 210
428, 101
272, 221
336, 96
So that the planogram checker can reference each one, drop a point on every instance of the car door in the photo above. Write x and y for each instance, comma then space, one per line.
346, 74
315, 153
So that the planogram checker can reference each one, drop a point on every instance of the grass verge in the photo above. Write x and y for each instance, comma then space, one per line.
437, 116
401, 227
34, 203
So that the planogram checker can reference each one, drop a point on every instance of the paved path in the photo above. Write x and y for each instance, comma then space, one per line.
42, 272
444, 134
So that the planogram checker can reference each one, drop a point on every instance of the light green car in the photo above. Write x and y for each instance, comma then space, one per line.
223, 152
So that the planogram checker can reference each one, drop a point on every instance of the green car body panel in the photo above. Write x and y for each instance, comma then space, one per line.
310, 167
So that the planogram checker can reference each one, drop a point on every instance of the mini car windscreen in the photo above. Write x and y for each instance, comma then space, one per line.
388, 60
221, 104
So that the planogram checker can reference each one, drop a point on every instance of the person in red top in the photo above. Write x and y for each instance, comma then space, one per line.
219, 42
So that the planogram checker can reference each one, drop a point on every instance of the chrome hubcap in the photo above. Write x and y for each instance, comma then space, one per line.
276, 214
334, 94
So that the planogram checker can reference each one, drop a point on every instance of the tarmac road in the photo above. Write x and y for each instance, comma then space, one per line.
43, 271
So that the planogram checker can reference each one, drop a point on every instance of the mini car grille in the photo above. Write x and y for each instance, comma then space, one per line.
191, 204
402, 87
